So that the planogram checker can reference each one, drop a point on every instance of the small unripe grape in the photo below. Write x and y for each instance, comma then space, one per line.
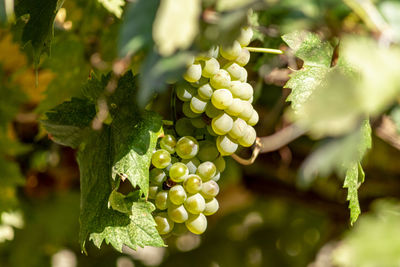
220, 163
187, 147
243, 58
192, 164
235, 108
206, 171
161, 200
221, 79
161, 158
205, 91
216, 177
153, 190
198, 122
249, 137
185, 91
247, 111
177, 213
179, 229
197, 105
238, 129
230, 52
195, 204
245, 36
237, 72
212, 207
211, 131
222, 98
200, 82
177, 194
163, 224
187, 110
247, 91
209, 189
157, 176
178, 172
226, 146
193, 73
173, 160
253, 119
210, 67
212, 111
197, 224
192, 184
208, 151
184, 127
168, 143
222, 124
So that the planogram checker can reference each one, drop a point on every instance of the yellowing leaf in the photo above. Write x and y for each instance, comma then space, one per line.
27, 81
176, 25
7, 48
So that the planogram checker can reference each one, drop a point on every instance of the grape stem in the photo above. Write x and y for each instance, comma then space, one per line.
264, 50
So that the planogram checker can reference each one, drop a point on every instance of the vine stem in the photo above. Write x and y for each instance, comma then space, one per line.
264, 50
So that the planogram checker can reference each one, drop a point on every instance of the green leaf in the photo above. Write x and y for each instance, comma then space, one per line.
114, 6
351, 182
38, 31
137, 26
10, 100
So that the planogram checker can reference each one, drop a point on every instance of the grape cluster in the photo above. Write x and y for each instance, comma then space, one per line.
183, 184
217, 97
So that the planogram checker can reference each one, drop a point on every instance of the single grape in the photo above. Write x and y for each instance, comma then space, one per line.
193, 73
157, 176
216, 177
192, 184
195, 204
178, 172
222, 124
205, 91
163, 224
222, 98
173, 160
197, 224
238, 129
185, 91
230, 52
153, 190
237, 72
247, 111
253, 119
249, 137
221, 79
235, 108
220, 163
198, 122
179, 229
226, 146
161, 200
236, 88
245, 36
212, 111
177, 194
187, 110
211, 131
168, 143
210, 67
212, 207
161, 158
206, 171
177, 213
192, 164
187, 147
197, 105
184, 127
250, 100
247, 91
208, 151
209, 189
243, 58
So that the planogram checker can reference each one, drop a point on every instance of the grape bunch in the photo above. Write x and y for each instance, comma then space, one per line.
217, 97
183, 184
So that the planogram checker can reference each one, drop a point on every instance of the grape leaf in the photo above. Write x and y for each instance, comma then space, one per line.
10, 100
354, 177
114, 6
38, 31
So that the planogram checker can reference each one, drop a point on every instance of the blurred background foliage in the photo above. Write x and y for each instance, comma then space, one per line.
266, 218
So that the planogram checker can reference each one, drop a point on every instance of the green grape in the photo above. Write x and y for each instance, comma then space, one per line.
161, 200
230, 52
184, 127
161, 158
238, 129
222, 98
212, 207
195, 204
178, 172
243, 58
187, 147
208, 151
235, 108
236, 88
179, 229
163, 224
153, 190
216, 177
247, 111
250, 100
185, 91
247, 91
200, 82
245, 36
249, 137
210, 67
253, 119
221, 79
209, 189
198, 123
197, 105
205, 91
187, 111
168, 143
237, 72
212, 111
220, 163
157, 176
206, 171
193, 73
211, 131
177, 194
226, 146
197, 224
192, 184
192, 164
222, 124
173, 160
177, 213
